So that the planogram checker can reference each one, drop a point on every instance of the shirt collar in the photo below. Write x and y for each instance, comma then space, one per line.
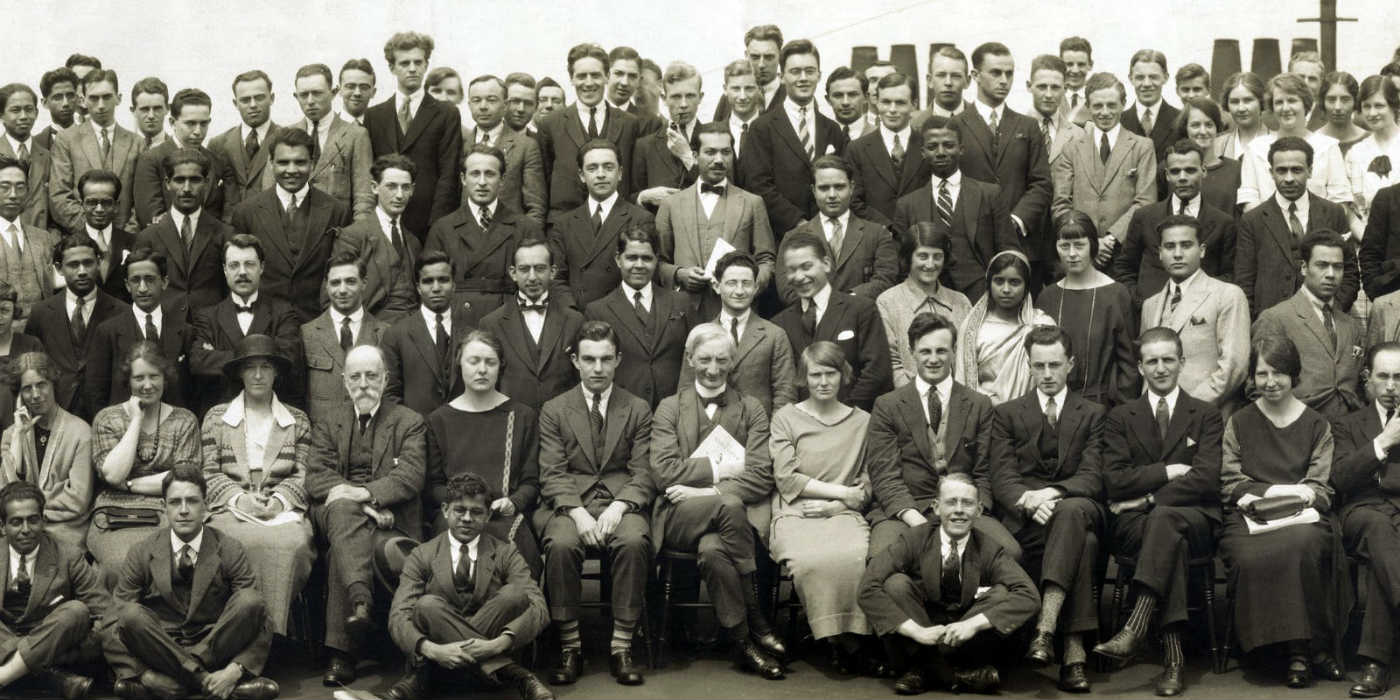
28, 558
704, 393
1193, 205
386, 222
954, 180
821, 298
607, 204
178, 219
73, 298
15, 144
356, 316
769, 90
888, 136
430, 317
102, 236
1059, 398
176, 544
588, 395
986, 111
414, 100
494, 132
1186, 283
602, 113
111, 130
522, 300
476, 208
1098, 135
262, 132
472, 546
1156, 111
233, 416
722, 183
253, 299
323, 126
628, 292
944, 388
792, 109
1302, 203
736, 122
944, 542
1171, 398
743, 318
157, 315
1380, 411
844, 218
935, 108
1317, 304
284, 196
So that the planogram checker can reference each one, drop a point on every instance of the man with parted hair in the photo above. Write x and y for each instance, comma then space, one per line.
947, 81
328, 338
190, 238
420, 348
100, 190
247, 148
97, 143
624, 89
1078, 56
58, 89
745, 99
356, 88
521, 103
445, 83
873, 73
522, 181
762, 44
1151, 116
1046, 85
846, 95
388, 252
149, 100
549, 98
26, 249
189, 122
19, 107
886, 163
586, 237
81, 65
664, 161
340, 152
1192, 83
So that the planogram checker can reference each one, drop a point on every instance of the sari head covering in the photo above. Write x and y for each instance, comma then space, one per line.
997, 367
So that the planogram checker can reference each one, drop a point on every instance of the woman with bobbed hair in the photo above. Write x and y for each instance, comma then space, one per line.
1243, 96
1201, 122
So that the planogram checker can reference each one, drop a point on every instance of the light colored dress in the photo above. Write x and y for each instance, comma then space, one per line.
991, 356
826, 556
899, 305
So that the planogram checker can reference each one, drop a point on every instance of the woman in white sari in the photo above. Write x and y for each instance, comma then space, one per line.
992, 358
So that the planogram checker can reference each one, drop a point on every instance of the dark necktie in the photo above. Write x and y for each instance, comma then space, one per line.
641, 309
1389, 416
23, 583
405, 116
315, 142
809, 318
396, 238
443, 340
486, 137
595, 421
1163, 417
1295, 224
462, 575
289, 215
994, 125
951, 577
1170, 309
935, 409
1052, 413
945, 206
152, 334
1045, 132
251, 147
734, 330
804, 135
593, 122
184, 568
149, 141
1329, 324
1147, 122
897, 154
1104, 149
346, 339
1182, 209
106, 147
597, 217
186, 232
837, 235
1073, 101
846, 129
23, 152
79, 326
364, 422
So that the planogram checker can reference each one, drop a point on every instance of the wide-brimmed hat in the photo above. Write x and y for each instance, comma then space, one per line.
389, 558
253, 346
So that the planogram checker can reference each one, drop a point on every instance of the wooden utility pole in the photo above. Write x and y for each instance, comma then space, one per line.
1327, 20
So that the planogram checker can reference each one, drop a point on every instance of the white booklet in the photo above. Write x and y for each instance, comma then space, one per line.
725, 453
721, 249
1306, 516
286, 516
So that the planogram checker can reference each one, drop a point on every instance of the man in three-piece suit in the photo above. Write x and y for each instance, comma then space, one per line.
466, 599
64, 323
934, 592
1210, 317
100, 190
341, 154
1047, 483
1105, 171
665, 160
191, 239
866, 260
596, 484
414, 124
971, 212
822, 313
420, 349
481, 236
19, 106
189, 120
691, 222
1328, 341
1161, 458
586, 237
564, 133
1380, 247
247, 148
97, 144
1151, 116
879, 178
535, 327
187, 615
327, 338
365, 479
651, 321
389, 254
1267, 256
522, 181
777, 160
1138, 266
146, 318
762, 44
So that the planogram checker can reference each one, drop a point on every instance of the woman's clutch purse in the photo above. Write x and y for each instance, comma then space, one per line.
1274, 508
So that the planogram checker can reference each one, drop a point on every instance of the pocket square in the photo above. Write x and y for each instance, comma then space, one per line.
846, 335
124, 254
1190, 441
982, 591
830, 148
1132, 173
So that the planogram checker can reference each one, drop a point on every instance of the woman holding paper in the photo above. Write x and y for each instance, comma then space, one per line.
1286, 580
255, 455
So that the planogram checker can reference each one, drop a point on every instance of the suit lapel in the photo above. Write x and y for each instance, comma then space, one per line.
1116, 157
982, 133
580, 421
271, 209
513, 329
660, 312
1191, 299
971, 571
442, 569
422, 339
913, 414
1183, 416
884, 162
1303, 308
784, 126
627, 316
1277, 225
573, 125
851, 242
832, 318
956, 412
1065, 427
89, 145
427, 111
481, 569
606, 237
549, 334
752, 336
41, 578
204, 568
618, 416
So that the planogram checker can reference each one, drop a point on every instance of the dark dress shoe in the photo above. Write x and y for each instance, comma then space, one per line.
624, 669
130, 689
984, 680
255, 688
527, 684
340, 670
1120, 647
771, 645
1327, 668
1169, 683
911, 683
69, 686
570, 666
359, 626
413, 686
1072, 679
754, 659
161, 686
1375, 681
1042, 649
1298, 674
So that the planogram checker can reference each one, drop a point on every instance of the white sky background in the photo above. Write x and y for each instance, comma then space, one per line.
195, 43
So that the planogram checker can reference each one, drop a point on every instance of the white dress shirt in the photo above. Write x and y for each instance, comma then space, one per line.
601, 115
323, 129
110, 130
606, 205
477, 209
15, 144
285, 197
946, 544
888, 137
1097, 136
944, 389
821, 298
1317, 304
102, 237
430, 318
954, 187
1303, 208
986, 112
727, 319
1156, 113
386, 225
708, 200
1153, 398
245, 318
770, 93
12, 233
706, 395
493, 135
794, 115
1059, 400
157, 319
736, 128
356, 317
534, 320
255, 438
70, 302
177, 544
1193, 205
263, 130
178, 219
28, 559
472, 551
845, 219
602, 404
630, 295
415, 100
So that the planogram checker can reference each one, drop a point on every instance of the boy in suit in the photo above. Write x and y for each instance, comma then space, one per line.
247, 148
340, 152
420, 349
886, 163
586, 237
466, 599
144, 319
190, 238
388, 253
329, 337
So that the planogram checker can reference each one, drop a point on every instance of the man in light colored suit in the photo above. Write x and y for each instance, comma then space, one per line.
1328, 340
98, 143
327, 338
1047, 87
864, 253
388, 252
690, 222
26, 251
248, 146
1210, 316
522, 183
19, 107
1108, 171
340, 157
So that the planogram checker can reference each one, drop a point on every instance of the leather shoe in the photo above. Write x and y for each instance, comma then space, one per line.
1072, 679
570, 666
340, 670
911, 683
1327, 668
754, 659
161, 686
412, 686
1120, 647
359, 626
130, 689
1298, 675
771, 645
255, 688
984, 680
1042, 649
624, 669
67, 685
1169, 683
1375, 681
528, 684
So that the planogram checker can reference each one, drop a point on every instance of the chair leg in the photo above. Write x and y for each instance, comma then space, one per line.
1223, 662
1215, 660
667, 586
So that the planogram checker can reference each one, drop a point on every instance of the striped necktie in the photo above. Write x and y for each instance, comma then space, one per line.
803, 134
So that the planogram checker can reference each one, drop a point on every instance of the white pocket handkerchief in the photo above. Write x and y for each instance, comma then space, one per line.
846, 335
1190, 442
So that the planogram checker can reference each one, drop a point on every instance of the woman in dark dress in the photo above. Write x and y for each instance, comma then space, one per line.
1201, 121
12, 345
1289, 582
493, 435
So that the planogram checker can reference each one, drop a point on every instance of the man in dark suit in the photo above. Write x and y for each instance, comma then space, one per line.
420, 349
466, 600
972, 213
219, 329
1380, 247
783, 142
822, 313
846, 95
653, 321
247, 148
522, 181
425, 129
1077, 54
19, 107
866, 260
150, 102
1151, 116
145, 319
1161, 457
365, 480
64, 323
191, 239
58, 89
762, 44
664, 160
746, 101
880, 178
521, 104
947, 81
187, 615
535, 327
100, 190
1267, 265
1137, 265
389, 255
51, 597
296, 224
1047, 481
595, 479
586, 237
327, 338
626, 92
356, 88
936, 629
341, 155
564, 132
189, 120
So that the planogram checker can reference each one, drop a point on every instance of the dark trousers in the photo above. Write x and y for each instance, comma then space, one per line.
1372, 532
352, 537
717, 529
628, 550
940, 662
1065, 552
182, 652
1163, 540
444, 623
49, 641
884, 533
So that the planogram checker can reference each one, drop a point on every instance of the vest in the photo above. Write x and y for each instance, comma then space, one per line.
360, 465
1049, 445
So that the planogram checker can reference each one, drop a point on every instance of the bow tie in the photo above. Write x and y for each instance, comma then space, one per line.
717, 189
241, 309
714, 401
526, 306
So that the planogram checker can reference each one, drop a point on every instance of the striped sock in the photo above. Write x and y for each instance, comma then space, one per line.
1074, 649
1143, 608
1172, 641
622, 635
568, 634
